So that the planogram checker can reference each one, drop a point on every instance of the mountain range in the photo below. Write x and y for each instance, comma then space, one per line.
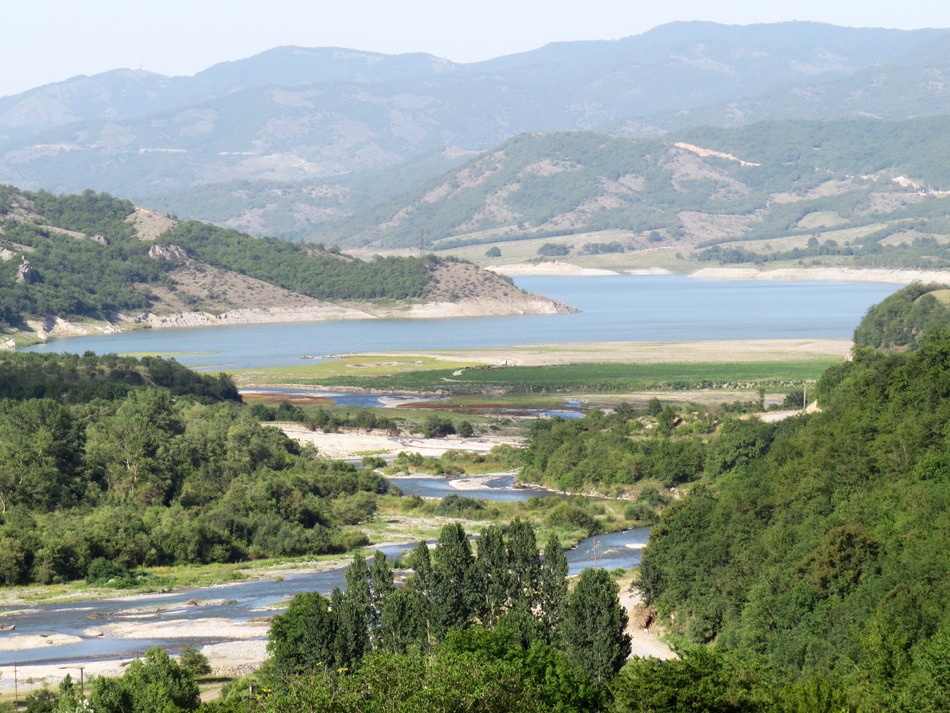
295, 139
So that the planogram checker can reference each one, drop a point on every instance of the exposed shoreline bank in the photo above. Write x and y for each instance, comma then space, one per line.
846, 274
512, 305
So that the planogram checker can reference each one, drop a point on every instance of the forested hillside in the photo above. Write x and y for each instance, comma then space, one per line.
699, 187
900, 321
96, 257
279, 129
826, 553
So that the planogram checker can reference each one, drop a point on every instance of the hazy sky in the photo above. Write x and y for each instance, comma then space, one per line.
43, 42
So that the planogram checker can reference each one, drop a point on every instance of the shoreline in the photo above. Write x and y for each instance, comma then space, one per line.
510, 306
53, 326
892, 276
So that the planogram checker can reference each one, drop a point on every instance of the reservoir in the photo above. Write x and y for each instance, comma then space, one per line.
621, 308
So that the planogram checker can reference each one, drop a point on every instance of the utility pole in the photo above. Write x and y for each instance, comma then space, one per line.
422, 243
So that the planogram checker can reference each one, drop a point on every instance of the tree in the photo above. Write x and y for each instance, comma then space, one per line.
594, 628
452, 595
404, 622
553, 586
190, 659
493, 251
381, 587
137, 447
154, 684
302, 639
524, 561
491, 576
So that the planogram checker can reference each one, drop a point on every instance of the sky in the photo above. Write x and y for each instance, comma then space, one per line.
44, 42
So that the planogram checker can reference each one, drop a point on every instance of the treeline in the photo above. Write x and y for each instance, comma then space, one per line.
899, 321
300, 269
612, 451
100, 268
824, 550
71, 378
507, 584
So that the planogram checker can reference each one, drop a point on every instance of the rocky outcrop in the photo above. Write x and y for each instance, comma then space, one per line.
173, 253
25, 274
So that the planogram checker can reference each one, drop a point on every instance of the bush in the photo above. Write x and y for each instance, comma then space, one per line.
101, 570
356, 508
373, 462
190, 659
438, 427
552, 250
453, 505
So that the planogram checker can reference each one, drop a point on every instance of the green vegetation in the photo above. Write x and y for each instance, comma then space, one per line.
297, 268
900, 321
822, 545
603, 452
79, 379
85, 261
507, 588
838, 177
115, 474
605, 378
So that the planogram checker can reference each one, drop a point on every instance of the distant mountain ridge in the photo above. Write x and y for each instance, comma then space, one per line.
293, 113
698, 185
303, 117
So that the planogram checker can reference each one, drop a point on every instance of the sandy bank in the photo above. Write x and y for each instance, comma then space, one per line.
897, 277
22, 642
645, 642
355, 445
477, 482
210, 627
230, 658
553, 268
735, 350
512, 305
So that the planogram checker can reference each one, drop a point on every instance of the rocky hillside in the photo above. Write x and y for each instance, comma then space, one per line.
695, 188
311, 115
91, 262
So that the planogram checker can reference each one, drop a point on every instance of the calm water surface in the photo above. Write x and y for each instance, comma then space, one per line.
614, 308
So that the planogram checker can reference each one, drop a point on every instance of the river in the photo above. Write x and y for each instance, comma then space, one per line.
244, 601
655, 308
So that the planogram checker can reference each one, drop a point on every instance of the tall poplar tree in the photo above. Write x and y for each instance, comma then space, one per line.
452, 595
594, 628
492, 576
553, 583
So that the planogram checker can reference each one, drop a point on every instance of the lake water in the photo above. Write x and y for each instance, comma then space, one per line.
658, 308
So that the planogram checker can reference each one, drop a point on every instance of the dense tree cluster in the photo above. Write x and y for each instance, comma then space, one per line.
609, 451
71, 378
824, 546
144, 478
506, 584
901, 319
300, 269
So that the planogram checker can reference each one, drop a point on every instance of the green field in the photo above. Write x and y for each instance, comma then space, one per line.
607, 378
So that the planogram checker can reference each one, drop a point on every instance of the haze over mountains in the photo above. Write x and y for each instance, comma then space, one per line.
293, 140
